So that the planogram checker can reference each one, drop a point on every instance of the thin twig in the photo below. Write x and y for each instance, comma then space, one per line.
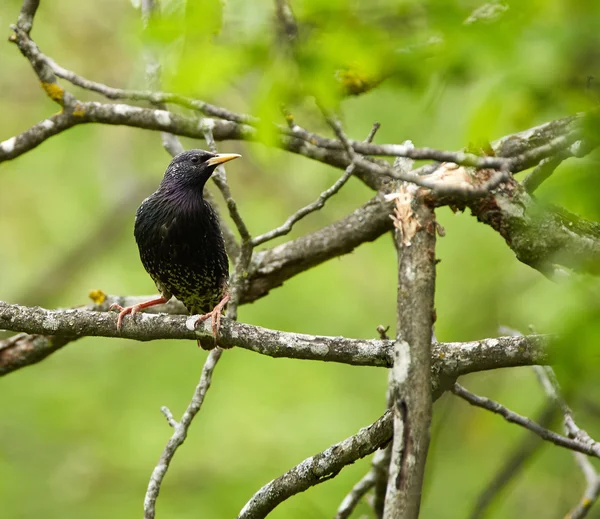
380, 468
358, 491
284, 229
548, 380
592, 490
180, 430
512, 417
151, 96
287, 21
220, 179
543, 171
378, 474
513, 464
239, 280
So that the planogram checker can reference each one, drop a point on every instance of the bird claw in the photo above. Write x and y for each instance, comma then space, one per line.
123, 311
215, 317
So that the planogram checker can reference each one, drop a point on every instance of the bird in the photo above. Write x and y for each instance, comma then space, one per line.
180, 242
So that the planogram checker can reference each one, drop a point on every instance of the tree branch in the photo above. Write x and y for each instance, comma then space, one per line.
512, 417
358, 491
503, 211
318, 468
180, 430
411, 373
514, 464
314, 206
52, 329
547, 378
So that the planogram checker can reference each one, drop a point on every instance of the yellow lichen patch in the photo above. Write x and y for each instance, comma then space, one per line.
97, 296
54, 91
587, 502
79, 111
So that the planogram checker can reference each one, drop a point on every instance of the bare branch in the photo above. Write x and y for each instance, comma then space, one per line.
377, 477
44, 73
151, 96
26, 15
380, 468
271, 268
543, 171
220, 179
180, 430
512, 417
514, 464
547, 378
287, 20
145, 326
52, 329
358, 491
314, 146
318, 468
314, 206
411, 373
34, 136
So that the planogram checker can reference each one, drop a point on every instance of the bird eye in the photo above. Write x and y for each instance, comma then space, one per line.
195, 160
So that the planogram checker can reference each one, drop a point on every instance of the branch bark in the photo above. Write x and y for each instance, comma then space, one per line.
411, 373
318, 468
46, 331
590, 448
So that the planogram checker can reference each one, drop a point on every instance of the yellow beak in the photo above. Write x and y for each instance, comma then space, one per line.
221, 158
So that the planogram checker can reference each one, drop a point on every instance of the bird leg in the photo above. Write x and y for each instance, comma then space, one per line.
215, 317
135, 308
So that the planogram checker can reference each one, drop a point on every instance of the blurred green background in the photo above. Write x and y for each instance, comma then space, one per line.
81, 431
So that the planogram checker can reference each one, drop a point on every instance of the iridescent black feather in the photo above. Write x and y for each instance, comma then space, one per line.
178, 235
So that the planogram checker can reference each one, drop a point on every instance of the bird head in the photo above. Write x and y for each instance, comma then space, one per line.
191, 169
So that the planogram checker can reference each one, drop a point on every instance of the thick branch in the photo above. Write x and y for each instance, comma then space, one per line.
541, 237
411, 374
272, 267
53, 329
521, 229
318, 468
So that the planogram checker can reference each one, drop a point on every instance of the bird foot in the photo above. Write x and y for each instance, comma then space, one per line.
123, 311
215, 317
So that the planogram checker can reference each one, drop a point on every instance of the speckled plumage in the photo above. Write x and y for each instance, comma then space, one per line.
178, 235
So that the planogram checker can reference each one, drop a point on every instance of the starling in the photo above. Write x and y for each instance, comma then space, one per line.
180, 242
